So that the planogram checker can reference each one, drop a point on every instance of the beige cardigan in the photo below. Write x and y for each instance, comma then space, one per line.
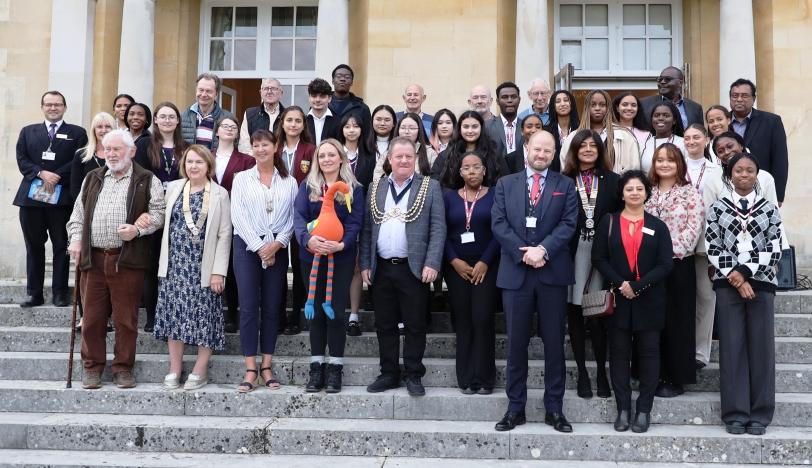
627, 151
217, 246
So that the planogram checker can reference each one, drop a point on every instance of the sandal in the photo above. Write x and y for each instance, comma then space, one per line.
271, 383
247, 387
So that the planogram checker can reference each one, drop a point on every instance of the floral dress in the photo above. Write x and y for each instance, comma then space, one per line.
186, 311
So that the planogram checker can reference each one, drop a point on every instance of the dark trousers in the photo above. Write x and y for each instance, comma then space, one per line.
577, 326
107, 287
399, 296
746, 356
261, 293
38, 224
550, 302
678, 338
150, 296
299, 293
231, 293
325, 332
473, 308
647, 347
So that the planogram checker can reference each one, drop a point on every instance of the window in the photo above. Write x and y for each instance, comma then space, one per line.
259, 38
617, 38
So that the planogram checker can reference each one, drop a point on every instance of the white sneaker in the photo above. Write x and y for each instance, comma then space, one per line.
195, 382
171, 381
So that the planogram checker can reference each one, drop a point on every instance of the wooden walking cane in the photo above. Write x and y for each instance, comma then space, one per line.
76, 303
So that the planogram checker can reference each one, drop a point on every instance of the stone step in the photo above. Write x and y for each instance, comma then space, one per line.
421, 438
447, 404
790, 378
796, 350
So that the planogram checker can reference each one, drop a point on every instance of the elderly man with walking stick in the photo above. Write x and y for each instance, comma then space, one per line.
118, 205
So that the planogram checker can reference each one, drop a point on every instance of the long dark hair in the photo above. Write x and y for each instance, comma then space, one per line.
363, 141
434, 139
179, 145
373, 145
457, 147
677, 129
571, 167
639, 120
278, 163
279, 132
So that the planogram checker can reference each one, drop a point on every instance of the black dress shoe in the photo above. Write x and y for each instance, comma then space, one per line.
468, 391
622, 421
149, 327
756, 428
353, 328
735, 428
316, 382
669, 390
584, 386
604, 389
61, 300
510, 420
383, 383
558, 421
484, 391
641, 422
415, 387
33, 301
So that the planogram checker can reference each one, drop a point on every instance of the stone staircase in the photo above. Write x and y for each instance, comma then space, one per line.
43, 423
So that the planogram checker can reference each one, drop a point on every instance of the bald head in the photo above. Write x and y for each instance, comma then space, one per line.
540, 150
413, 98
480, 99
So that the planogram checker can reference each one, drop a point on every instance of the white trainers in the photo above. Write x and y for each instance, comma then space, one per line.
171, 381
195, 382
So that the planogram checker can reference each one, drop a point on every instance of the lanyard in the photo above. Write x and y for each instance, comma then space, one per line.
701, 173
469, 211
399, 196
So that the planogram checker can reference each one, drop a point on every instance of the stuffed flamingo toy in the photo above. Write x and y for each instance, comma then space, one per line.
328, 226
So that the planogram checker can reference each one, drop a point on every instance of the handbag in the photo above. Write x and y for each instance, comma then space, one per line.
599, 303
785, 274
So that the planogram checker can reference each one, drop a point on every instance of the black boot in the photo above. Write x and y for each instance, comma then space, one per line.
622, 421
334, 372
575, 324
316, 382
641, 422
584, 386
604, 390
291, 324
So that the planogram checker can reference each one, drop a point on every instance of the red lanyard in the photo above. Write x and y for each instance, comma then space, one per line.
469, 211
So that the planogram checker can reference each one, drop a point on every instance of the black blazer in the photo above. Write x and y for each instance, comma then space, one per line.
365, 168
767, 141
515, 161
692, 109
607, 202
330, 130
80, 170
33, 140
553, 128
654, 262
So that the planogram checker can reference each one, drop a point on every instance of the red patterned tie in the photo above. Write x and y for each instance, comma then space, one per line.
534, 191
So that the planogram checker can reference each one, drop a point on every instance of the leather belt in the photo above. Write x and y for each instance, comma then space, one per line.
394, 260
115, 251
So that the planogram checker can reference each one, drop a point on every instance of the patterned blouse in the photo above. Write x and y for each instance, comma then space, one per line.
682, 210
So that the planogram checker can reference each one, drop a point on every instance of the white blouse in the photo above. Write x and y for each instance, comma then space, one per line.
652, 143
260, 214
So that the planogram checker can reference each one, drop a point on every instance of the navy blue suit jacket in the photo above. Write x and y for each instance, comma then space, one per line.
556, 225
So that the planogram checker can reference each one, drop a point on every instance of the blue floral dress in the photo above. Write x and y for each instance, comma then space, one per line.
186, 311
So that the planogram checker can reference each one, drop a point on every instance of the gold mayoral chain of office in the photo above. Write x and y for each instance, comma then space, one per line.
379, 216
195, 228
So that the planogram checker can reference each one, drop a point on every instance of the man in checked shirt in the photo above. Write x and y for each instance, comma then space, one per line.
118, 205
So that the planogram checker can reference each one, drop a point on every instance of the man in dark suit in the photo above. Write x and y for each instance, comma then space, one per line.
506, 127
265, 116
401, 251
533, 218
669, 84
763, 133
45, 152
320, 119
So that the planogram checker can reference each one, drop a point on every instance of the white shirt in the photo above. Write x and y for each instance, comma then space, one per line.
382, 144
510, 143
647, 158
249, 202
318, 124
220, 164
750, 197
58, 124
392, 233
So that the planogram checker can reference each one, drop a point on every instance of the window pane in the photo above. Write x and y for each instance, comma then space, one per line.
597, 20
286, 95
659, 20
596, 54
571, 21
634, 20
659, 53
570, 53
300, 97
282, 22
221, 21
306, 21
281, 54
245, 55
634, 54
305, 54
220, 55
246, 22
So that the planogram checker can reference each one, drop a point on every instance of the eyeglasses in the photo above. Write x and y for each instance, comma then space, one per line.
742, 96
472, 169
665, 79
168, 117
408, 128
55, 105
228, 127
536, 94
270, 89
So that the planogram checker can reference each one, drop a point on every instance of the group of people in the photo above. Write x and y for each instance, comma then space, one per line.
529, 211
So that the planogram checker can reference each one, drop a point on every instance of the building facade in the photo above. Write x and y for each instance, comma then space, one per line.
153, 49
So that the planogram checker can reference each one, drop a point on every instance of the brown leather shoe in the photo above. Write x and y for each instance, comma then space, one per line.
91, 380
124, 379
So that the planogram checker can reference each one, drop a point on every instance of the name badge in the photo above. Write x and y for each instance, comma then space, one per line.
648, 231
530, 222
48, 155
62, 136
467, 237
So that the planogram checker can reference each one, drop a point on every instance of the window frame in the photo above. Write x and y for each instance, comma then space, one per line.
263, 41
615, 77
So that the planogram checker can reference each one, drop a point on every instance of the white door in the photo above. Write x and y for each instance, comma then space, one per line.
228, 99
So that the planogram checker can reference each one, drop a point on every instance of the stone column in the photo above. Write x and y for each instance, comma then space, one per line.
332, 36
136, 65
737, 50
70, 70
532, 44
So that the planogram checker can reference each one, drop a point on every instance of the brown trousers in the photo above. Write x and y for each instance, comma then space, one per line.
106, 288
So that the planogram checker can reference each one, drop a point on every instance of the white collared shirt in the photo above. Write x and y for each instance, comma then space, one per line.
58, 126
528, 171
220, 164
750, 197
392, 233
510, 143
249, 208
318, 123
